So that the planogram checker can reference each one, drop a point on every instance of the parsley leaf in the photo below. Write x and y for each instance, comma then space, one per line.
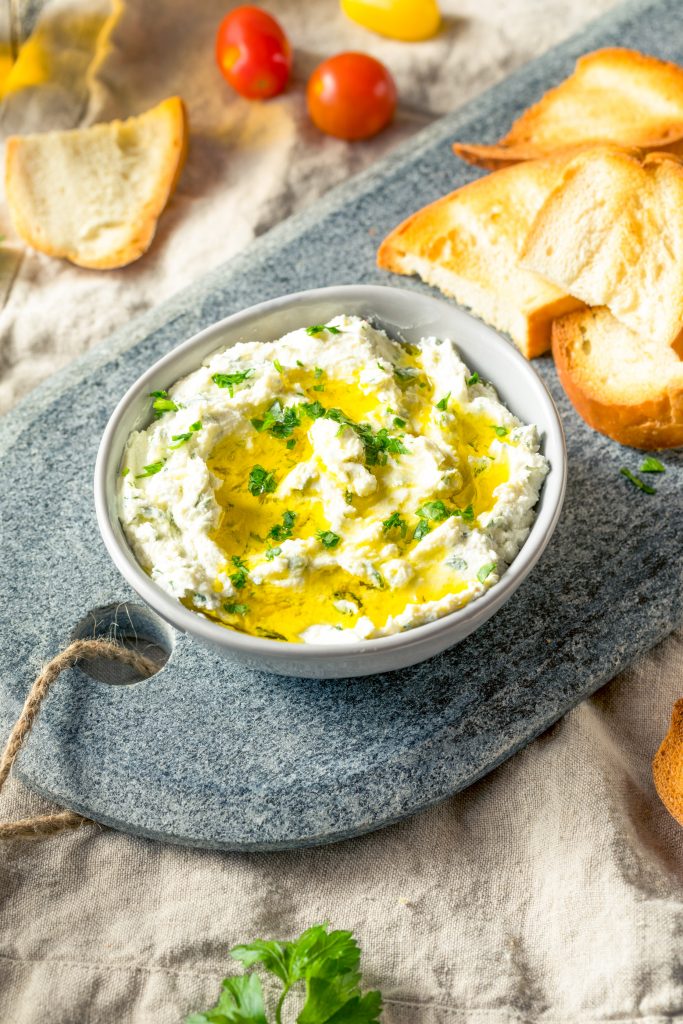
314, 409
162, 403
284, 530
637, 482
319, 328
261, 481
434, 510
318, 372
395, 522
327, 538
278, 365
398, 422
474, 379
235, 609
486, 571
272, 553
278, 420
421, 530
501, 431
443, 404
231, 380
240, 1002
652, 465
269, 634
182, 439
151, 469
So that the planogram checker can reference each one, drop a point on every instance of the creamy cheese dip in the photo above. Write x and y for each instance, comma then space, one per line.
330, 486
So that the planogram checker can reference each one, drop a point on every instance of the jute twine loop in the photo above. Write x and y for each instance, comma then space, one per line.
80, 650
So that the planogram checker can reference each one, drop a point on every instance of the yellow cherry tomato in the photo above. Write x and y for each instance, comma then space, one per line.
408, 20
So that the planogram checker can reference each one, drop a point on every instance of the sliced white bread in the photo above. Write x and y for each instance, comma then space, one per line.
468, 243
614, 95
611, 234
622, 384
94, 195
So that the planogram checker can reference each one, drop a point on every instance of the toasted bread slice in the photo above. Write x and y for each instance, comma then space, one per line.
467, 244
625, 386
667, 766
612, 234
614, 95
94, 195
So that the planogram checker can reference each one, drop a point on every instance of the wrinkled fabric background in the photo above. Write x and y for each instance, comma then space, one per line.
551, 891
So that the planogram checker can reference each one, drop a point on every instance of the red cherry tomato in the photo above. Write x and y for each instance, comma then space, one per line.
253, 53
351, 96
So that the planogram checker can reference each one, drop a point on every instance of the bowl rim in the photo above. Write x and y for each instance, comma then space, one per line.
186, 621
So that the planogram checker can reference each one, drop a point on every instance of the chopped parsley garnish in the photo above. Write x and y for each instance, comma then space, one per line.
278, 365
290, 444
318, 387
486, 571
313, 409
125, 471
319, 328
637, 482
443, 404
437, 512
398, 422
327, 538
299, 363
474, 379
233, 608
318, 372
272, 553
281, 531
652, 465
239, 578
395, 522
231, 380
279, 420
182, 439
501, 431
151, 469
421, 530
261, 481
162, 403
348, 497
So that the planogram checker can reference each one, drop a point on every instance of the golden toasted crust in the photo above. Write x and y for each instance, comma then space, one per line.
614, 95
643, 409
467, 244
172, 110
667, 766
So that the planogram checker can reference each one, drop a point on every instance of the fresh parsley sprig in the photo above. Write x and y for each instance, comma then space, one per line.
325, 962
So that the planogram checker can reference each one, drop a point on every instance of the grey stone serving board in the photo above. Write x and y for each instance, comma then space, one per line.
212, 755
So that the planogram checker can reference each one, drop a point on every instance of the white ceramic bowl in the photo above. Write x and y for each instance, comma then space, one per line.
404, 315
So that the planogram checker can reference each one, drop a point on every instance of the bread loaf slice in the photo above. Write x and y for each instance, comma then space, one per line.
94, 195
667, 766
611, 234
467, 244
625, 386
614, 95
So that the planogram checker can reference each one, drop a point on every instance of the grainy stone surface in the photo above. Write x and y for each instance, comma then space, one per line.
212, 755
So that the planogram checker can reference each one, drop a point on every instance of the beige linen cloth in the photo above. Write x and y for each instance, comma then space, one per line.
552, 891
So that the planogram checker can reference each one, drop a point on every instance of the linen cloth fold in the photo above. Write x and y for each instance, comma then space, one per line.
551, 891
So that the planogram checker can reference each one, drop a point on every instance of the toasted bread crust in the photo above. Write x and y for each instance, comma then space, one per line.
172, 110
655, 421
667, 766
531, 135
466, 244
